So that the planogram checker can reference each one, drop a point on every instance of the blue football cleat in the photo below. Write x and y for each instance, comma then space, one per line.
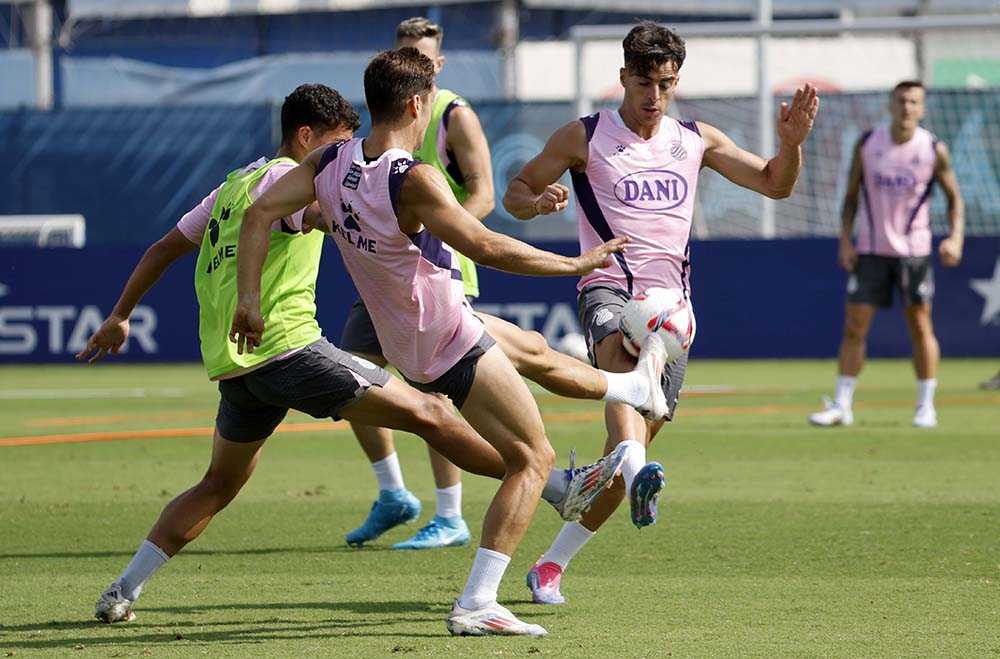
645, 493
392, 508
439, 532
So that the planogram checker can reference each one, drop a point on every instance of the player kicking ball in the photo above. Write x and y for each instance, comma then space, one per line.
893, 172
295, 367
634, 171
396, 222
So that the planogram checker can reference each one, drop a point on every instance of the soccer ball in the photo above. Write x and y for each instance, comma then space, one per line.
665, 311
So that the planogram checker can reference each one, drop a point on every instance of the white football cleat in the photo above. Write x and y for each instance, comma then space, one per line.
652, 359
113, 606
489, 621
585, 484
925, 417
832, 415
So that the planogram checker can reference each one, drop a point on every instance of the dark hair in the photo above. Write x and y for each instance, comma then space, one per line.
906, 85
318, 107
648, 46
392, 77
419, 27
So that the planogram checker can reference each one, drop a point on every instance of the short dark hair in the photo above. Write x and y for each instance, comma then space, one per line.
906, 85
419, 27
392, 77
318, 107
649, 45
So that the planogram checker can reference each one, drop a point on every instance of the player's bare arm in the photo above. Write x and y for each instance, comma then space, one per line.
468, 142
776, 177
534, 191
426, 199
847, 255
290, 193
111, 335
950, 250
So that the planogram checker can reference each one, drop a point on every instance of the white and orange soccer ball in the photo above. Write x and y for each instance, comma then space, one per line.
665, 311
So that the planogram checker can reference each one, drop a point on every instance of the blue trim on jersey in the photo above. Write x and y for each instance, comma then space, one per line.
398, 170
329, 156
864, 191
590, 123
691, 126
433, 251
595, 217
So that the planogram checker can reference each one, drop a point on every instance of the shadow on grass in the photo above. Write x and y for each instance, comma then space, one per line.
340, 549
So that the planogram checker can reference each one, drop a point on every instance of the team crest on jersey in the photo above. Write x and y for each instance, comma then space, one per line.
350, 217
678, 151
896, 180
353, 177
603, 317
652, 190
400, 166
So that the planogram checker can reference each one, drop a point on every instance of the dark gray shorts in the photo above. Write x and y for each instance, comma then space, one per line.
600, 309
359, 334
457, 380
319, 380
875, 277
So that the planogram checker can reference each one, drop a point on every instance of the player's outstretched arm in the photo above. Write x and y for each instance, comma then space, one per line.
472, 153
950, 249
290, 193
847, 255
534, 190
426, 199
111, 335
776, 177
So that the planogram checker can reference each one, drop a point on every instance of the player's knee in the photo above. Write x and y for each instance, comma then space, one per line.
855, 329
220, 488
431, 412
530, 357
537, 459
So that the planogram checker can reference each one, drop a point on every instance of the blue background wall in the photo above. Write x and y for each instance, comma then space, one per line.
753, 299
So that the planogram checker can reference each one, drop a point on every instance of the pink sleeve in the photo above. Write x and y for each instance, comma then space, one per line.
193, 223
294, 221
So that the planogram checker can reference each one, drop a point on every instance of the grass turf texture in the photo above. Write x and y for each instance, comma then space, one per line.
776, 539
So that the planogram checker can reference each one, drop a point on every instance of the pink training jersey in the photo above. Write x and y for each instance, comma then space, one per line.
896, 185
410, 284
643, 189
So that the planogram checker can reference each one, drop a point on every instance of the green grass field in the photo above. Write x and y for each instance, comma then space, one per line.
776, 539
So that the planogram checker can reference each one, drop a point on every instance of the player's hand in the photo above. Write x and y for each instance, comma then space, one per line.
796, 120
599, 257
554, 199
950, 251
109, 337
847, 256
247, 329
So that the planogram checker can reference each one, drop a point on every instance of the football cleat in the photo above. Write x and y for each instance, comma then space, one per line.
491, 620
392, 508
113, 606
645, 494
652, 358
925, 417
832, 415
439, 532
586, 483
543, 581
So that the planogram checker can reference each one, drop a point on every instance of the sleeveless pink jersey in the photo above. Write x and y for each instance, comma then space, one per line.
409, 284
643, 189
896, 185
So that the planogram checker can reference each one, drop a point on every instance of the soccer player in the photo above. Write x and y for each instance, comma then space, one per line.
454, 143
893, 173
395, 222
295, 367
634, 171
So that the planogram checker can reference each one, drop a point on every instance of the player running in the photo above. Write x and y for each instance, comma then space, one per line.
395, 222
454, 143
635, 174
893, 172
295, 367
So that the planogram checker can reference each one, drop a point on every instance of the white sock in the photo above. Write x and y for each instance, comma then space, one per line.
629, 388
567, 544
388, 473
484, 579
449, 501
843, 395
925, 392
555, 487
147, 560
635, 459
